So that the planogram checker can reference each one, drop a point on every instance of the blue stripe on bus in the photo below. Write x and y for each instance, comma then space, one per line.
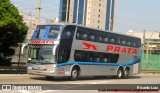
102, 63
35, 34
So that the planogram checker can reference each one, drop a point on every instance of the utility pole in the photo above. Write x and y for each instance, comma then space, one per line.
67, 11
84, 12
38, 12
110, 17
77, 11
144, 36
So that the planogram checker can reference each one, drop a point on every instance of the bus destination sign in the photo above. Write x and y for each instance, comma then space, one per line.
42, 42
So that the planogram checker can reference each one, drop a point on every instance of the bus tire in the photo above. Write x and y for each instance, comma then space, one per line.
119, 73
126, 73
49, 78
74, 74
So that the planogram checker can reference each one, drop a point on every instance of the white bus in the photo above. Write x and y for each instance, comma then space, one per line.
69, 50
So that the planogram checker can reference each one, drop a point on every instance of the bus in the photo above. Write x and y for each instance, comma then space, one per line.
70, 50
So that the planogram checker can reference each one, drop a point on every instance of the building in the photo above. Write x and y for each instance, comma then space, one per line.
92, 13
150, 38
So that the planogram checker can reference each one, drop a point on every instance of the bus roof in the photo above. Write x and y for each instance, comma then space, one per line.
65, 24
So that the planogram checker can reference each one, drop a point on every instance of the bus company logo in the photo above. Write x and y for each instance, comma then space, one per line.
42, 42
119, 49
89, 46
111, 48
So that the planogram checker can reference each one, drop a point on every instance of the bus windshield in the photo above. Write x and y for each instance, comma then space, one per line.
54, 31
41, 54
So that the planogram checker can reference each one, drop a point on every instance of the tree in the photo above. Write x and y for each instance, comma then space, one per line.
12, 31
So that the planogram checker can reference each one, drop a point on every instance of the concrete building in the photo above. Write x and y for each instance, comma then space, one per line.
92, 13
152, 38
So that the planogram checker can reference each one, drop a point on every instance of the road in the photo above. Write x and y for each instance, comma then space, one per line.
84, 83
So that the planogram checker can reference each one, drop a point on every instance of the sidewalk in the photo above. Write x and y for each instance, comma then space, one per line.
150, 71
13, 70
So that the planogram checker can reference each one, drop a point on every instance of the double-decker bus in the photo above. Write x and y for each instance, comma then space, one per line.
69, 50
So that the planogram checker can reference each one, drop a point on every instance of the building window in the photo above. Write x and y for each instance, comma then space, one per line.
98, 21
99, 5
99, 16
99, 10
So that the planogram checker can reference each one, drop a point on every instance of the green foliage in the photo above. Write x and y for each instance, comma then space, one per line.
12, 30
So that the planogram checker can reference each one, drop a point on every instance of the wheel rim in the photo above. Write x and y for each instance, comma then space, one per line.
119, 74
127, 73
74, 74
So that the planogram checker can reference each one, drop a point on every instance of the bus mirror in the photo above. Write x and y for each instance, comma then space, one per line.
54, 49
22, 48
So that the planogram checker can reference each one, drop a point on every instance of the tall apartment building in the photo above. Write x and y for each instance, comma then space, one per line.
92, 13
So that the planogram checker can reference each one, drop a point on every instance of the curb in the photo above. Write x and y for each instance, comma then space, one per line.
150, 71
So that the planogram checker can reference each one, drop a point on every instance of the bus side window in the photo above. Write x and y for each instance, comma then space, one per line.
100, 39
104, 57
123, 41
118, 41
78, 56
91, 38
95, 57
68, 34
84, 37
106, 40
78, 36
87, 56
63, 55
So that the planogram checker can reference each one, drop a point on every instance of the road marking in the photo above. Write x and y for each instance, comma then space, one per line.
48, 91
24, 91
98, 82
101, 82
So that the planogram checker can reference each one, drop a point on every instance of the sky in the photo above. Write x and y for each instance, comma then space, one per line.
137, 15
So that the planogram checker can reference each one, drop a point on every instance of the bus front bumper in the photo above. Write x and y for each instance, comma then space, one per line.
41, 72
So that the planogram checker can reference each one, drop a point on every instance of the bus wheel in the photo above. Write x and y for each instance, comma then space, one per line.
120, 73
126, 73
74, 74
49, 78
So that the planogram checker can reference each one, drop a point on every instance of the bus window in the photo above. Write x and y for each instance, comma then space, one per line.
114, 58
95, 57
106, 40
78, 56
78, 36
113, 38
91, 38
103, 57
87, 56
84, 37
54, 32
41, 31
68, 32
99, 39
81, 34
64, 55
123, 41
118, 41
